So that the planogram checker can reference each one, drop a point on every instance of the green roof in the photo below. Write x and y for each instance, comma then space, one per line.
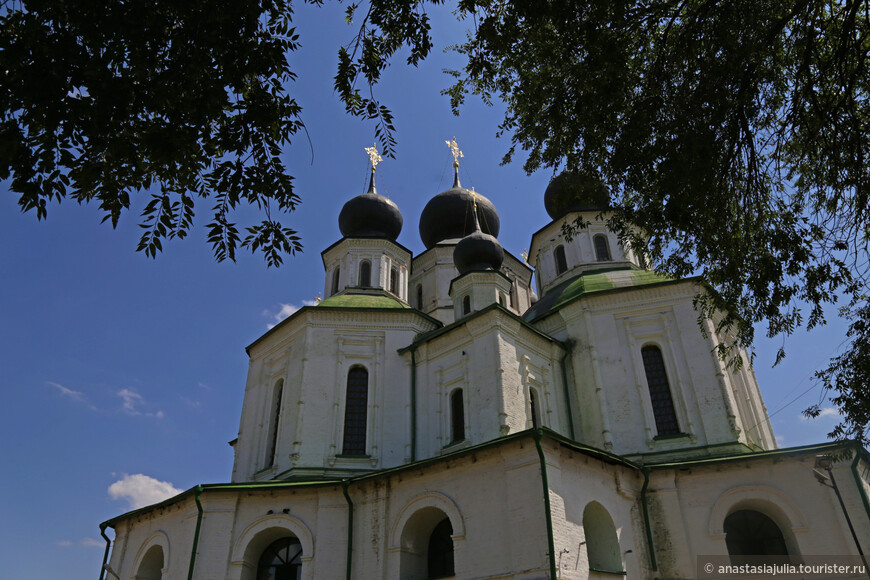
591, 282
362, 301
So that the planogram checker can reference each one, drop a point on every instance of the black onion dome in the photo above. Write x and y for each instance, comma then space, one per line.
370, 216
449, 215
478, 252
575, 191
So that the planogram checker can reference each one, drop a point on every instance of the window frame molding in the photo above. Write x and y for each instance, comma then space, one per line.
158, 538
655, 330
265, 530
606, 248
775, 504
340, 443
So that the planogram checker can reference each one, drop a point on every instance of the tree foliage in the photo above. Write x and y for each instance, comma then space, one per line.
184, 100
734, 132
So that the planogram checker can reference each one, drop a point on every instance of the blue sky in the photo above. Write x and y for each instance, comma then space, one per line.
122, 377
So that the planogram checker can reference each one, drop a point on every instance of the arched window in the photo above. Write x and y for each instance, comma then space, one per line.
561, 261
466, 305
356, 411
426, 542
533, 409
659, 391
335, 274
602, 249
419, 297
282, 560
151, 567
394, 280
513, 295
365, 273
602, 544
278, 392
501, 299
439, 560
457, 416
751, 533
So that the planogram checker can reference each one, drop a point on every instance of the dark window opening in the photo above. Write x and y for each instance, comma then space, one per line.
365, 274
356, 412
751, 533
561, 261
335, 275
419, 297
602, 249
466, 305
533, 407
457, 416
282, 560
394, 280
440, 555
659, 391
276, 415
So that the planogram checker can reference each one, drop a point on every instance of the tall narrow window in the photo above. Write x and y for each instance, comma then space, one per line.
273, 426
439, 559
659, 391
466, 305
501, 299
356, 411
335, 274
394, 280
419, 297
533, 408
365, 274
457, 416
561, 261
602, 249
282, 560
513, 295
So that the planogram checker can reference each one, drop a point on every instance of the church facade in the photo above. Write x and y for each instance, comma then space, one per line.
433, 418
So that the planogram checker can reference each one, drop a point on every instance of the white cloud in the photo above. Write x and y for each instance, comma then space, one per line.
92, 543
193, 404
780, 440
285, 311
132, 403
140, 490
77, 396
64, 543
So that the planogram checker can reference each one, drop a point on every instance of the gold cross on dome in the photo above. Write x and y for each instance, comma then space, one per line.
374, 156
525, 256
454, 149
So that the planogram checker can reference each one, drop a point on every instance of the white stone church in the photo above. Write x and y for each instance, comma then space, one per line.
432, 417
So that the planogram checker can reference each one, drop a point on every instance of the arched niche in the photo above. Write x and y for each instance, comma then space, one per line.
255, 538
766, 500
152, 559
